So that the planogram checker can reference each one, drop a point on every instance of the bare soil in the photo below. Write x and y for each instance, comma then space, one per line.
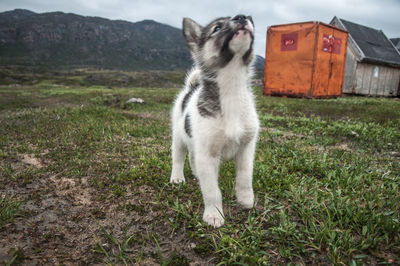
64, 219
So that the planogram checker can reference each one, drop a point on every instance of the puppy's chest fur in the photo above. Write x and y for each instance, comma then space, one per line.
235, 122
226, 142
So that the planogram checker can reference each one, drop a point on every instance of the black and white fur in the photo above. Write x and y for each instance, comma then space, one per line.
214, 117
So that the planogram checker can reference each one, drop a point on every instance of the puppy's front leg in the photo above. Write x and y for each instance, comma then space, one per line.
244, 175
207, 173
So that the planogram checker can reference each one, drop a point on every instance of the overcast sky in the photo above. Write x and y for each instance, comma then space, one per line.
379, 14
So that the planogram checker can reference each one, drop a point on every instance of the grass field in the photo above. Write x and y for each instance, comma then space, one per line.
84, 180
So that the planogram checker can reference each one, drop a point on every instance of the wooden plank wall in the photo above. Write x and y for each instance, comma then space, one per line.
376, 80
350, 72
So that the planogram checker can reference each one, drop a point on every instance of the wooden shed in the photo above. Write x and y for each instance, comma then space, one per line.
305, 60
372, 63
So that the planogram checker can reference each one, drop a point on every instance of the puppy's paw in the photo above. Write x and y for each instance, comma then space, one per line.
177, 179
245, 198
213, 217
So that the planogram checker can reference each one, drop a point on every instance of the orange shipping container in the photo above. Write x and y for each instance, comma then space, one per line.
305, 60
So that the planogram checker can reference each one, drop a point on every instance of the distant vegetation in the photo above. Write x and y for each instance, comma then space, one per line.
89, 77
94, 76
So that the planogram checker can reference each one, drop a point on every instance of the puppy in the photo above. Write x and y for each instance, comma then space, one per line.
214, 117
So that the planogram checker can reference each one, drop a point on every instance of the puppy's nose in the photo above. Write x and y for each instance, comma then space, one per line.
240, 19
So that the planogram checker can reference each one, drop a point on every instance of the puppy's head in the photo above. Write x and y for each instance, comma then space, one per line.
215, 45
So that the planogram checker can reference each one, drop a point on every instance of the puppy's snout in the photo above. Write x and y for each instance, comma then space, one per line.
240, 19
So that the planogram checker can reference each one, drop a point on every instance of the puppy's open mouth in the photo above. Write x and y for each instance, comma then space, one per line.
242, 31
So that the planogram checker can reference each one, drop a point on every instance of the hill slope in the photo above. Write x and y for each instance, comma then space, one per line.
60, 39
65, 40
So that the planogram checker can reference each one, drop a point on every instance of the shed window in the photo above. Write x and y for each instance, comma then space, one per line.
376, 72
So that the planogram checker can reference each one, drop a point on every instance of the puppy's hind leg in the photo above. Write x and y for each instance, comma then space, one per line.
178, 160
192, 162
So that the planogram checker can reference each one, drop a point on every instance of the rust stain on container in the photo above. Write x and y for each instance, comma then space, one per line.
305, 60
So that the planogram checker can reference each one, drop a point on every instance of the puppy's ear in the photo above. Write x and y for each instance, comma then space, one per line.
192, 33
251, 19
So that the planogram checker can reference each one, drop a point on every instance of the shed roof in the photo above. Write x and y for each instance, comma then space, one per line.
373, 43
396, 42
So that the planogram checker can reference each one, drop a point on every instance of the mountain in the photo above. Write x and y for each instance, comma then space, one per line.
259, 63
58, 39
66, 40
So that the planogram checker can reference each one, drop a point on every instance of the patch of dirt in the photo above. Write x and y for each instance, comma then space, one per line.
342, 146
291, 135
284, 134
339, 146
56, 228
31, 160
65, 220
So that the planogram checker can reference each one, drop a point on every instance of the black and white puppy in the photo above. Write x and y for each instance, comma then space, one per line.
214, 117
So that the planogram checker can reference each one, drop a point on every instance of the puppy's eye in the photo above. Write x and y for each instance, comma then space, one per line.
217, 28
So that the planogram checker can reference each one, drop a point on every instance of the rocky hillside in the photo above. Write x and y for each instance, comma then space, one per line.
59, 39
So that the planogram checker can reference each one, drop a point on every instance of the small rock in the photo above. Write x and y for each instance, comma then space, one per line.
192, 245
135, 100
354, 133
395, 154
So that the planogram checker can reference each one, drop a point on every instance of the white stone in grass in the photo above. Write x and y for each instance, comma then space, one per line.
135, 100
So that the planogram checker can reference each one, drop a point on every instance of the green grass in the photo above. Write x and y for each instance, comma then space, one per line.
9, 209
326, 177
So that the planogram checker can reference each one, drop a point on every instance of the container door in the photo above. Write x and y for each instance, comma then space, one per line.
338, 45
329, 62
